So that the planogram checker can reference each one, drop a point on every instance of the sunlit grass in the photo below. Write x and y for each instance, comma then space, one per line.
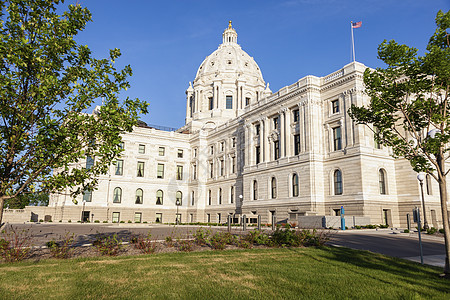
300, 273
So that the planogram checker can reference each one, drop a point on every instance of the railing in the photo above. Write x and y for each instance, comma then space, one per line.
159, 127
334, 75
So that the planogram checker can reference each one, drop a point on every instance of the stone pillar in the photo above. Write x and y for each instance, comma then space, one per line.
266, 141
282, 130
288, 132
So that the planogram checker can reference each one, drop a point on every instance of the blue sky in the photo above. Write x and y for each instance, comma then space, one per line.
166, 41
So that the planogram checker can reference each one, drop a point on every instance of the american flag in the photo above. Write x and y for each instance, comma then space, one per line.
357, 24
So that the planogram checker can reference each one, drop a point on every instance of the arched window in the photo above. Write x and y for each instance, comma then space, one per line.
274, 187
255, 190
382, 181
337, 182
139, 196
159, 197
220, 195
428, 183
117, 196
295, 185
179, 197
209, 197
192, 198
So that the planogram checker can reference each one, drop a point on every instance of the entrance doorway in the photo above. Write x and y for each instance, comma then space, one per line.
85, 216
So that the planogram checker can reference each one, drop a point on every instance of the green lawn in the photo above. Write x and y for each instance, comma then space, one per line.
298, 273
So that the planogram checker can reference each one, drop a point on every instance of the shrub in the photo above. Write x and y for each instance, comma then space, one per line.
108, 245
15, 245
406, 231
145, 244
218, 241
70, 221
441, 230
257, 237
201, 236
105, 221
169, 241
242, 243
370, 226
384, 226
40, 220
185, 245
357, 227
122, 222
145, 222
129, 221
61, 249
431, 230
60, 221
96, 221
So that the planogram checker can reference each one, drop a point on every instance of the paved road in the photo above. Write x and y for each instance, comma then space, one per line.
397, 245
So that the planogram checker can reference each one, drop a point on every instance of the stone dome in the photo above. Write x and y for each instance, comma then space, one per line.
227, 82
229, 59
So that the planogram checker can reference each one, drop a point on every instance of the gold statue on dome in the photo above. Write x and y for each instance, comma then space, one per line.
229, 24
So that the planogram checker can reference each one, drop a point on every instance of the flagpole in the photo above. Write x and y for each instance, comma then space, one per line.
353, 41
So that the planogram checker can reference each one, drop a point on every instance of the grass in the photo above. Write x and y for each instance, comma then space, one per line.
296, 273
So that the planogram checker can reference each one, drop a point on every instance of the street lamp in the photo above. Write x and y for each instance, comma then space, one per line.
82, 213
421, 177
241, 197
177, 203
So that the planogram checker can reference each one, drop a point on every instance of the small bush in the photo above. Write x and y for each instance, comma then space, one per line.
108, 245
61, 249
145, 244
129, 221
169, 241
431, 230
185, 245
201, 236
96, 221
60, 221
406, 231
145, 222
105, 221
441, 230
257, 237
218, 241
370, 226
122, 221
357, 227
242, 243
384, 226
40, 220
70, 221
15, 245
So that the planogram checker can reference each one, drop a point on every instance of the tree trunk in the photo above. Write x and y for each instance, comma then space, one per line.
443, 195
2, 203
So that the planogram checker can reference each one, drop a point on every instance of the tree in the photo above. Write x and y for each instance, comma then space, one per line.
409, 108
47, 83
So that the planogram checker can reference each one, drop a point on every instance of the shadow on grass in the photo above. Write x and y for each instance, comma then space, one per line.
402, 270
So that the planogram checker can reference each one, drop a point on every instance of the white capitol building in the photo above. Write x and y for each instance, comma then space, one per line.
247, 150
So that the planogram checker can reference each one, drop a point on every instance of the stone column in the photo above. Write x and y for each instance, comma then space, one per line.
288, 132
265, 140
282, 130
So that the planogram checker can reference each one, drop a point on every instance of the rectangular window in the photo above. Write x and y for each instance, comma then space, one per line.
140, 169
275, 123
211, 150
221, 167
211, 170
87, 196
195, 152
233, 164
180, 153
89, 162
141, 149
257, 129
179, 172
232, 195
222, 146
161, 151
115, 217
276, 150
337, 138
211, 103
160, 171
208, 218
297, 144
158, 218
247, 101
119, 167
233, 142
137, 217
335, 106
229, 102
295, 115
258, 154
194, 172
